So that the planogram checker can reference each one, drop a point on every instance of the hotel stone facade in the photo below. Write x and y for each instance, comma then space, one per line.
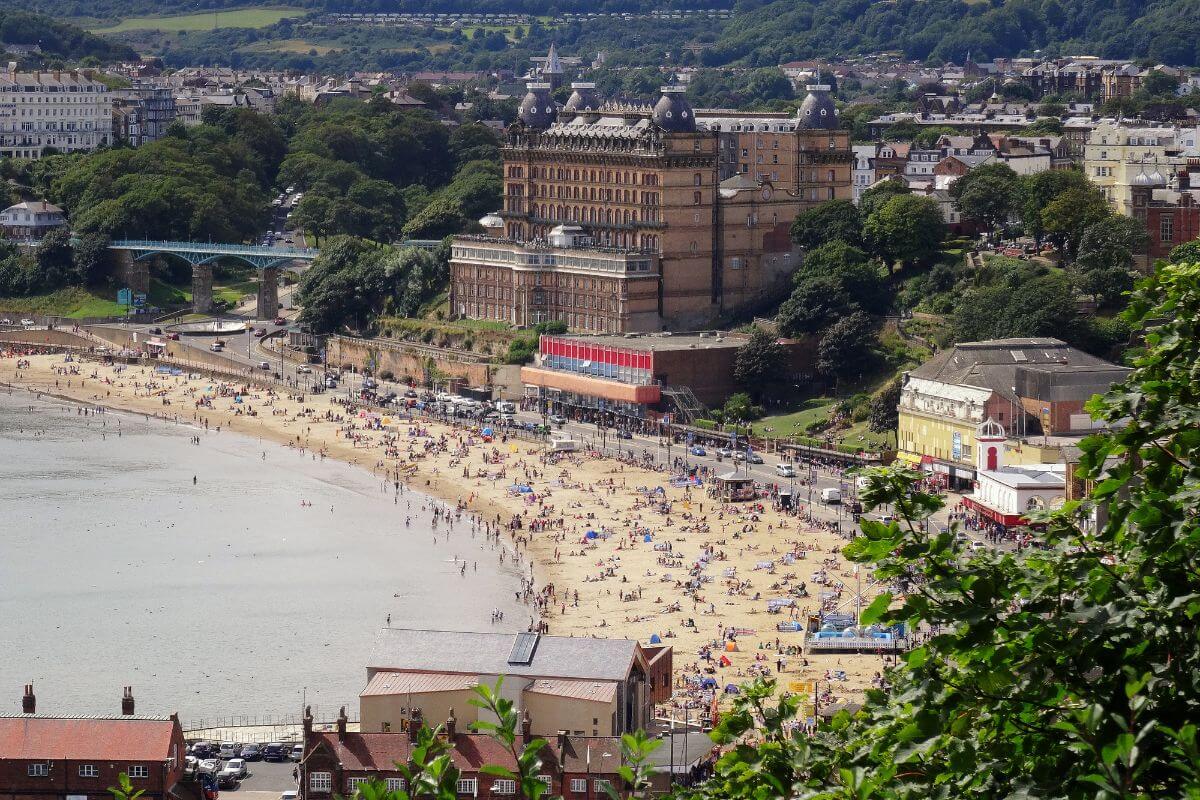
622, 217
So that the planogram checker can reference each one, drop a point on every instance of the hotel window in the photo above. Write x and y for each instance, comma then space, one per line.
395, 784
600, 787
320, 781
352, 785
696, 198
579, 785
544, 779
89, 771
1166, 229
504, 786
466, 786
39, 770
139, 771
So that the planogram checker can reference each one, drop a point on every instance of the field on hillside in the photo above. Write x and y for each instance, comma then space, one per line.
227, 18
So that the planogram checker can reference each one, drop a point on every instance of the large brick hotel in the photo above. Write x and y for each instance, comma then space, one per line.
621, 217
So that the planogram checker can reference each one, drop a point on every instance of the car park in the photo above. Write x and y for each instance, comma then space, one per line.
227, 780
297, 753
250, 752
209, 766
236, 766
227, 750
274, 751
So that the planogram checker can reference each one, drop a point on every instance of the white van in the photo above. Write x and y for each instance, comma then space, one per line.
506, 407
563, 443
785, 470
831, 496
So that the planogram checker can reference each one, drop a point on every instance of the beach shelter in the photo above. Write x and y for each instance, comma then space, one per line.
731, 688
655, 639
592, 534
731, 647
708, 683
725, 662
647, 538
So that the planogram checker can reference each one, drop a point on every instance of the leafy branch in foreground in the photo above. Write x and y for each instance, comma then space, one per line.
1069, 670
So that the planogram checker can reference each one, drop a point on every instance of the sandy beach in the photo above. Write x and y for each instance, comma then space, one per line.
661, 560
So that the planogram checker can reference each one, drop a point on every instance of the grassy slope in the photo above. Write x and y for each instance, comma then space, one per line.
253, 17
72, 302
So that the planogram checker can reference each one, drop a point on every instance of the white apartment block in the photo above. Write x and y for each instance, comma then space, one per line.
63, 110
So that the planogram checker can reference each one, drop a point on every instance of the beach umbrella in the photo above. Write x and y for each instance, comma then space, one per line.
731, 647
647, 538
708, 683
592, 534
731, 689
655, 639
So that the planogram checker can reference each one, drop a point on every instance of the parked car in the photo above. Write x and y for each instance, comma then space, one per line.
558, 419
227, 750
189, 767
754, 458
250, 752
28, 323
304, 369
330, 383
227, 780
201, 749
289, 794
697, 450
236, 766
724, 452
274, 752
297, 752
211, 766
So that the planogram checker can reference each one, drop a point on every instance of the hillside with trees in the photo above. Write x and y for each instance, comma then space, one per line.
58, 39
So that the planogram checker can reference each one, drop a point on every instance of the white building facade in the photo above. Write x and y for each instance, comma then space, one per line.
61, 111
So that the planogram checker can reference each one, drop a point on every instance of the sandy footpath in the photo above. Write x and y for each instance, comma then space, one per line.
628, 581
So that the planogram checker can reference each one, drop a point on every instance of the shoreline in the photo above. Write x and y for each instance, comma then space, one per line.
657, 546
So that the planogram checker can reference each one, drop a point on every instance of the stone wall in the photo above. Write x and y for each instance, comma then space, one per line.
408, 362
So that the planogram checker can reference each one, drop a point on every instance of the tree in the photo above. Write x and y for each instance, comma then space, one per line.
1157, 82
1186, 252
1067, 216
844, 347
814, 304
833, 219
1105, 258
987, 195
907, 229
1059, 671
759, 363
55, 263
876, 197
740, 408
885, 408
858, 276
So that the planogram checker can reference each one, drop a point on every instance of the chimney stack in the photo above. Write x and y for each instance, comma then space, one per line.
28, 701
414, 725
526, 727
562, 749
127, 702
451, 725
308, 721
341, 724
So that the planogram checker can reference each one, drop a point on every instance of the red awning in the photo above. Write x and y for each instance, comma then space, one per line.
1007, 520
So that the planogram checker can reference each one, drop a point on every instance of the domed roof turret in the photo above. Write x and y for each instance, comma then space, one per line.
583, 98
537, 108
672, 112
818, 111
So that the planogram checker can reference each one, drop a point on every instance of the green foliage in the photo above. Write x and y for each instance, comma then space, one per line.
1187, 252
57, 38
907, 229
858, 276
829, 221
740, 407
1023, 300
845, 346
759, 363
813, 305
352, 282
1066, 217
987, 194
552, 327
885, 408
876, 197
521, 350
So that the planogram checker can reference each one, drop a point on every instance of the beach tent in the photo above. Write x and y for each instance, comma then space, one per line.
725, 662
708, 683
655, 639
731, 688
592, 534
731, 647
647, 538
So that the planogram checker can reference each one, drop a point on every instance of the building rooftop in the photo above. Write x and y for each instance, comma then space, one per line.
994, 364
663, 342
485, 654
37, 737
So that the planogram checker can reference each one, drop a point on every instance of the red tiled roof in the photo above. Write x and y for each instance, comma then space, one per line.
33, 737
380, 751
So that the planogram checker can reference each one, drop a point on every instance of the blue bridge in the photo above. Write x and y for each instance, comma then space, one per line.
195, 253
138, 254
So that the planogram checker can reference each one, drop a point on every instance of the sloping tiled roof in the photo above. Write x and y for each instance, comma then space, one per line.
992, 364
381, 751
388, 683
475, 654
118, 739
594, 691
